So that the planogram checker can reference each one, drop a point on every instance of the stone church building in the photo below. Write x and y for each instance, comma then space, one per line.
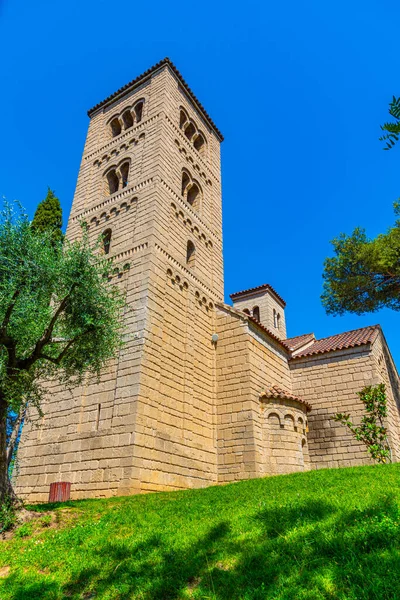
202, 392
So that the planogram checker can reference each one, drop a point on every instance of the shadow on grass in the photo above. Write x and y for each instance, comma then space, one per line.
306, 550
49, 506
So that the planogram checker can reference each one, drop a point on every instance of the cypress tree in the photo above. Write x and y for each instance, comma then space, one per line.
48, 215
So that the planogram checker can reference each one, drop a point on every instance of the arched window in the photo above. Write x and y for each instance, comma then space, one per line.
115, 127
127, 119
256, 313
193, 195
113, 181
185, 182
190, 254
199, 143
246, 310
190, 131
124, 170
138, 109
106, 241
183, 118
278, 321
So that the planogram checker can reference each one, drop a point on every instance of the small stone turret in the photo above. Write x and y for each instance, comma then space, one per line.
264, 304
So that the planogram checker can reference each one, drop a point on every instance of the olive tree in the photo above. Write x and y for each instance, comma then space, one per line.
59, 319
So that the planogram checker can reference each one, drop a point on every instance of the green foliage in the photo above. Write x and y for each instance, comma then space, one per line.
322, 535
392, 128
8, 516
59, 317
46, 520
372, 431
24, 530
364, 274
48, 217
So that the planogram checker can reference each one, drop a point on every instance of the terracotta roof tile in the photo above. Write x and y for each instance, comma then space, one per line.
275, 391
161, 63
275, 337
265, 286
341, 341
298, 341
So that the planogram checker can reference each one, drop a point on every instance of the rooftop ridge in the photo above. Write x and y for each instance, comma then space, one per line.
264, 286
164, 62
377, 326
341, 341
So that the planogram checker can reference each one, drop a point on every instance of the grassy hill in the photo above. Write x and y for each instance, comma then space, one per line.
323, 534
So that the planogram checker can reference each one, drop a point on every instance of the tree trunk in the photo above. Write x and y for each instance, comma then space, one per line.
13, 438
4, 483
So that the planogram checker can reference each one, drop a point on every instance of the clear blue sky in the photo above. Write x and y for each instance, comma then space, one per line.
299, 90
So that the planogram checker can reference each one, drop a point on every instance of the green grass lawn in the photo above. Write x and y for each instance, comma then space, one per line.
322, 534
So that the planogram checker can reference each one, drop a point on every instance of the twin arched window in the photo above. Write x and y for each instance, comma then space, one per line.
117, 178
128, 118
277, 320
191, 190
191, 131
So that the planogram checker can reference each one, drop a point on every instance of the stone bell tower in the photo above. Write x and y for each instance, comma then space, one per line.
149, 181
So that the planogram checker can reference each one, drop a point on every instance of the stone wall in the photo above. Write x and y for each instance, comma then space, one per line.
248, 361
386, 373
329, 383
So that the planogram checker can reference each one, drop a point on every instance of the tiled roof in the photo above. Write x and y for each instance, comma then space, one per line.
275, 391
298, 341
259, 288
275, 337
342, 341
162, 63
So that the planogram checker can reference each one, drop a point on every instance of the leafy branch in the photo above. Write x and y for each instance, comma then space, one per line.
372, 431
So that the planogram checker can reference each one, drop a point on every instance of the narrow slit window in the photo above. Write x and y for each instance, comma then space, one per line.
193, 195
190, 254
107, 241
124, 170
113, 181
256, 313
275, 319
185, 182
98, 416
